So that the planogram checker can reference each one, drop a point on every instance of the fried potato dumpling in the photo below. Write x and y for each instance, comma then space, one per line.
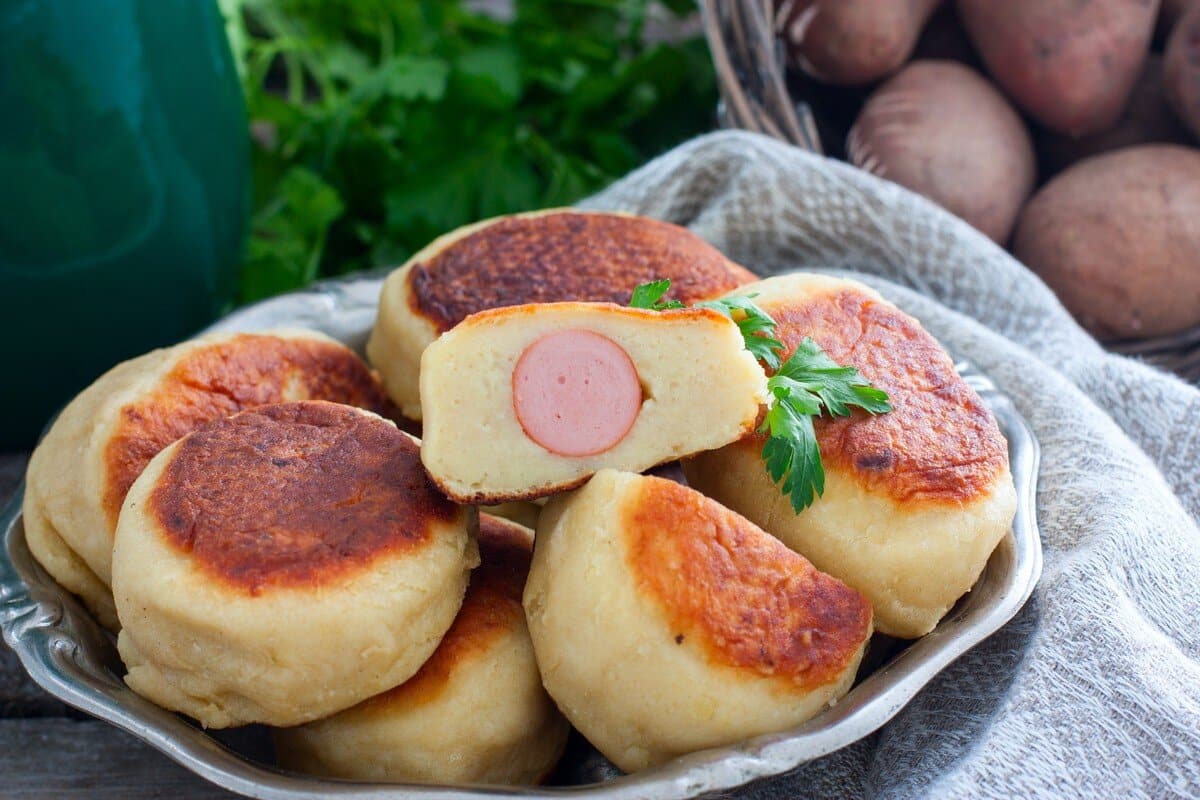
79, 474
539, 257
526, 401
916, 499
476, 711
665, 623
283, 564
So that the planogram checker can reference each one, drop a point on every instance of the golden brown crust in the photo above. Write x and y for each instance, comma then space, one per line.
749, 601
490, 609
295, 494
939, 444
482, 498
245, 371
667, 317
562, 256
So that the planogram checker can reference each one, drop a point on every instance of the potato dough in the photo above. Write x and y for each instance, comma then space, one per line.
283, 564
915, 499
701, 389
664, 623
80, 472
539, 257
476, 711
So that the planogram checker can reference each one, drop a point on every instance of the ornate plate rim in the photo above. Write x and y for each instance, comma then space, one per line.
66, 653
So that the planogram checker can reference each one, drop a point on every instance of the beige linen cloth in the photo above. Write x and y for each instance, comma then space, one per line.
1094, 689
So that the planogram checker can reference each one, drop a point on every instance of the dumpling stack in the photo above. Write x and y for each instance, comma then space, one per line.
476, 711
285, 563
542, 257
81, 471
278, 552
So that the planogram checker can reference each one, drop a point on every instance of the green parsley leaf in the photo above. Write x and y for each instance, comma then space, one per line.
810, 369
791, 454
808, 384
424, 116
649, 296
491, 74
755, 324
290, 234
412, 78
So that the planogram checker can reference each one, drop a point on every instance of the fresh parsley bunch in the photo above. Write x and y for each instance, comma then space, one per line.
805, 386
381, 124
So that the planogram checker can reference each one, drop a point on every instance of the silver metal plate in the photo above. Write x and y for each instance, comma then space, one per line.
72, 658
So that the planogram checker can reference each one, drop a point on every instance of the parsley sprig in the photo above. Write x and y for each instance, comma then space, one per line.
649, 296
754, 323
805, 386
380, 124
808, 384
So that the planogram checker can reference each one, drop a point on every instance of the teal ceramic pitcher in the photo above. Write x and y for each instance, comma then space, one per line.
124, 189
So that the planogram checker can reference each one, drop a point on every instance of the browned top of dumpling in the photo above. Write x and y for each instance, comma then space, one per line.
939, 444
221, 379
566, 255
738, 593
296, 494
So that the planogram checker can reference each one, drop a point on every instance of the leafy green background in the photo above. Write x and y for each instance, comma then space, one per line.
380, 124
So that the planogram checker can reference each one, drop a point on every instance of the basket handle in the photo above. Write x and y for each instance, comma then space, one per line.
749, 60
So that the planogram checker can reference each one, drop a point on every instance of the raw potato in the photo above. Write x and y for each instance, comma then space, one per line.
1070, 63
1148, 119
1118, 238
1182, 69
284, 564
853, 42
943, 130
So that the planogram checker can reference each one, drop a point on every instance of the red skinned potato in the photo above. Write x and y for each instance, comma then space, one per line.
1069, 63
942, 130
853, 42
1147, 119
1117, 237
1182, 68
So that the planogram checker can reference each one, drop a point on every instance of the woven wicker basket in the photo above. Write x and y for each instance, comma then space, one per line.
750, 63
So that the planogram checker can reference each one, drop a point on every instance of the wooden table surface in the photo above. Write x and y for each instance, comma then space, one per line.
51, 752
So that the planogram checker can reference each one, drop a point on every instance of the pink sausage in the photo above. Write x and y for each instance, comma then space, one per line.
576, 393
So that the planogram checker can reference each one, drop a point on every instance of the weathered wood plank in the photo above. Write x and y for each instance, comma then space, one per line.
68, 759
19, 696
48, 751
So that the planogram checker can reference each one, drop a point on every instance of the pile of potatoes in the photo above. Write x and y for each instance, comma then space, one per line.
1064, 129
